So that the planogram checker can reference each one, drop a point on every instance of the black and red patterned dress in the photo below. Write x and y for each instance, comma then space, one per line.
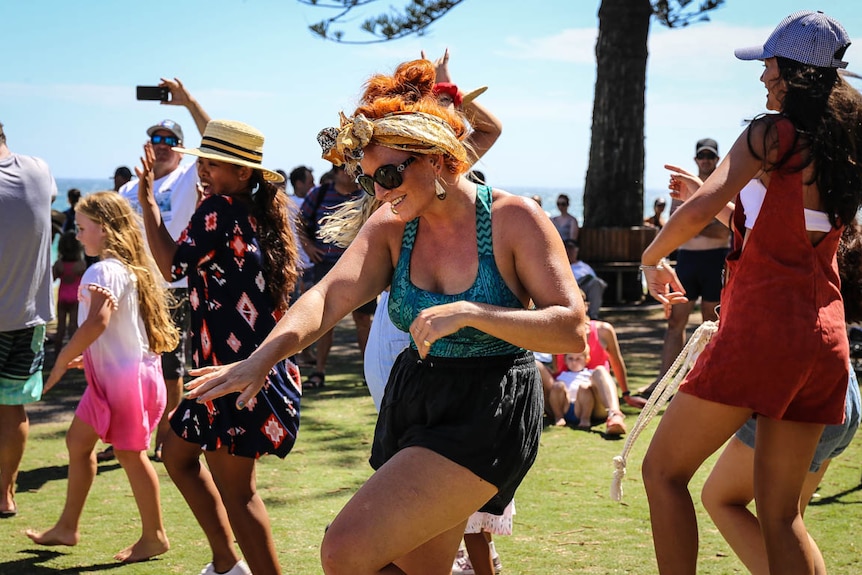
231, 314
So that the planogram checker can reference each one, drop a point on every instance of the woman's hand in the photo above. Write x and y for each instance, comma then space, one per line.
145, 176
435, 322
217, 380
683, 184
664, 286
441, 66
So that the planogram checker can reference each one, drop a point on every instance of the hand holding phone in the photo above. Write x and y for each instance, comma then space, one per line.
160, 93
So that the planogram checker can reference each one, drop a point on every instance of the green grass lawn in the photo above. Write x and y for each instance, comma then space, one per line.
565, 521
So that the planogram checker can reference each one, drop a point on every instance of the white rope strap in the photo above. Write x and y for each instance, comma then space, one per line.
660, 396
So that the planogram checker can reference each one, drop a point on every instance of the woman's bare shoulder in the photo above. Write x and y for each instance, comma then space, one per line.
515, 205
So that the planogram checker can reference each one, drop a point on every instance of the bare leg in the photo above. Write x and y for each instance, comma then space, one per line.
547, 385
14, 426
729, 490
174, 388
585, 404
707, 310
182, 460
779, 476
726, 494
145, 487
479, 550
235, 479
607, 403
420, 502
62, 312
812, 481
324, 344
668, 467
363, 328
73, 320
606, 392
80, 441
558, 403
674, 338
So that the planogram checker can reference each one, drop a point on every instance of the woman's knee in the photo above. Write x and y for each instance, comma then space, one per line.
711, 498
336, 552
656, 472
127, 458
178, 459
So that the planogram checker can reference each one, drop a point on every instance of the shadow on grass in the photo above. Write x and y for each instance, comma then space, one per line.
32, 564
35, 479
547, 425
836, 498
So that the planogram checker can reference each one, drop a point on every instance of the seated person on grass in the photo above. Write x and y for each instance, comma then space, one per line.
604, 351
591, 284
581, 395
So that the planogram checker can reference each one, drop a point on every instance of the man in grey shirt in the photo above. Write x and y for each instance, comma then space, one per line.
27, 190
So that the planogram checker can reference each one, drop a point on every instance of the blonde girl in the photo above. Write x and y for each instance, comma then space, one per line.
125, 326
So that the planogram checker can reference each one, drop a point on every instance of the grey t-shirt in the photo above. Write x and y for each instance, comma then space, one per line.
27, 189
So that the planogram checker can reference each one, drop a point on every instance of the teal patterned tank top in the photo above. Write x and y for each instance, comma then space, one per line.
406, 300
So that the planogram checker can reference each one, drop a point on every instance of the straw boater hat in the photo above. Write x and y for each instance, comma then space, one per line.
234, 143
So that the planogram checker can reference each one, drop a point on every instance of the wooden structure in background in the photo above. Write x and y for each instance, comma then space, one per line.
615, 254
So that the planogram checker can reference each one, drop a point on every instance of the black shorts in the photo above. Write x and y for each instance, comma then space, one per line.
482, 413
174, 361
700, 272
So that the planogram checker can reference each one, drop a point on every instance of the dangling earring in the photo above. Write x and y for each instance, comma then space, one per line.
439, 190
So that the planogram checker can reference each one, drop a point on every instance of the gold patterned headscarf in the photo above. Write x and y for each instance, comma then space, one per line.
415, 132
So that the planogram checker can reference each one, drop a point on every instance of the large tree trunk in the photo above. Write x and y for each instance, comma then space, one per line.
613, 193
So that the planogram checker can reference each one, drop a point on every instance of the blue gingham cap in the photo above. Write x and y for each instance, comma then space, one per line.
811, 38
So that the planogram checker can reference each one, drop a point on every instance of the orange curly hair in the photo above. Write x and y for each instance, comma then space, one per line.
411, 89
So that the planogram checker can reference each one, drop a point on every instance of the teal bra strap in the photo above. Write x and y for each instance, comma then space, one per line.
483, 224
483, 221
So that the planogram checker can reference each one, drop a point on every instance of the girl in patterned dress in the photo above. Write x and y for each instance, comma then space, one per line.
124, 325
239, 256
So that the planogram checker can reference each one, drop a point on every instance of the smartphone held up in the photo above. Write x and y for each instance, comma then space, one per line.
160, 93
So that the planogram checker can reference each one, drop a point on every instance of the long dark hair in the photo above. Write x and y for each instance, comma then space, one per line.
850, 271
277, 243
827, 114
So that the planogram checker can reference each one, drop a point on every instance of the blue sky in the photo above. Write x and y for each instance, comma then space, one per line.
70, 68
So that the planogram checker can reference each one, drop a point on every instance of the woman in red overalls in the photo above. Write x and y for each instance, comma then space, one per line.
781, 349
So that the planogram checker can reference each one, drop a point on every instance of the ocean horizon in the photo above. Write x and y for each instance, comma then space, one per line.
548, 194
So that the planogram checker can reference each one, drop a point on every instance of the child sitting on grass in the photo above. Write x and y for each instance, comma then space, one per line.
580, 395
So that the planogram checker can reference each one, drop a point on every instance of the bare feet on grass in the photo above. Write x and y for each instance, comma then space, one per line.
143, 549
54, 536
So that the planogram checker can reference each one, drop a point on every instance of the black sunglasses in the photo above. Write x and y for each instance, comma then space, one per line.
167, 140
706, 156
387, 177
